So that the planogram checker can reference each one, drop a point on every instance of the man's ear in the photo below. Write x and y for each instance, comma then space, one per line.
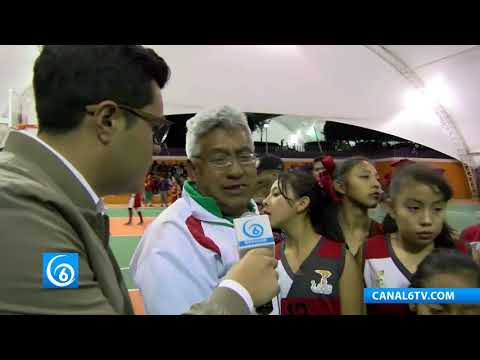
339, 186
191, 170
106, 121
302, 204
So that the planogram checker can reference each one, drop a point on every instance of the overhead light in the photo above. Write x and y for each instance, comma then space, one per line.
414, 99
438, 92
293, 140
414, 115
420, 105
266, 125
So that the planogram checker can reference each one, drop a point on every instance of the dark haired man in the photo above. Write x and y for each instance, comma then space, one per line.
98, 107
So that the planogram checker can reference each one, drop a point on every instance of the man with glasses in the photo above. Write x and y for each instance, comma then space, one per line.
186, 252
98, 106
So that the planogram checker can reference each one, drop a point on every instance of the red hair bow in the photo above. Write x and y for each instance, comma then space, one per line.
387, 179
325, 180
328, 163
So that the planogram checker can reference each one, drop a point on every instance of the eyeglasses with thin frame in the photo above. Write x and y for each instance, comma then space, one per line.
160, 125
223, 161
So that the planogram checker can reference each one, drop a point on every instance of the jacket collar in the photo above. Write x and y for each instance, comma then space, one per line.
50, 165
205, 208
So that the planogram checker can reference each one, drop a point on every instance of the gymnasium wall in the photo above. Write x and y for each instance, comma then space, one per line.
453, 171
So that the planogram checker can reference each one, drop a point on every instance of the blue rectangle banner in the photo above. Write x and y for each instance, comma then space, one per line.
421, 296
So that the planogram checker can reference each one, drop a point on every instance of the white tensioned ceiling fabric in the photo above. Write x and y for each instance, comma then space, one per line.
350, 84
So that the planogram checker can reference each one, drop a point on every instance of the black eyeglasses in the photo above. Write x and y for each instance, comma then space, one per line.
160, 125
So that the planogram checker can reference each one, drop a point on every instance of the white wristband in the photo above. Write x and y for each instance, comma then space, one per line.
240, 290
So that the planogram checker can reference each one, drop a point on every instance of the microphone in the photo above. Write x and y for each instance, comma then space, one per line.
254, 231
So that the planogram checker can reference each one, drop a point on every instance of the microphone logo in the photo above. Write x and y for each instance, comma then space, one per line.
254, 230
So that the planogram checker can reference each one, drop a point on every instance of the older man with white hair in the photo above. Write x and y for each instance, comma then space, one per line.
187, 251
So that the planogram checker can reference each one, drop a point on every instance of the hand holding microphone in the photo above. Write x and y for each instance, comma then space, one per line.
254, 235
256, 273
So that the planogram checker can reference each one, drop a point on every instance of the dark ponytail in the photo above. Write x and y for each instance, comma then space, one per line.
323, 219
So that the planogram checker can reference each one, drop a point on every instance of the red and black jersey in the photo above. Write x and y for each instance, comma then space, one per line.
383, 269
278, 236
375, 229
138, 200
314, 288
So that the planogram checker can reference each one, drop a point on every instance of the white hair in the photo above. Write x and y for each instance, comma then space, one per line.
224, 117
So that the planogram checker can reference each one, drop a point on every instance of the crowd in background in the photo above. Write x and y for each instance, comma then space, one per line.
166, 181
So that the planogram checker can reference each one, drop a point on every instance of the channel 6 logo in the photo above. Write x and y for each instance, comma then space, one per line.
60, 270
252, 229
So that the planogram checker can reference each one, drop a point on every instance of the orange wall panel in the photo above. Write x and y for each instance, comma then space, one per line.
453, 172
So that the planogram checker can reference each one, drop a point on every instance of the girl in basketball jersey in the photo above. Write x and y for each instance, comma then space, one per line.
446, 268
356, 189
418, 198
135, 202
317, 276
